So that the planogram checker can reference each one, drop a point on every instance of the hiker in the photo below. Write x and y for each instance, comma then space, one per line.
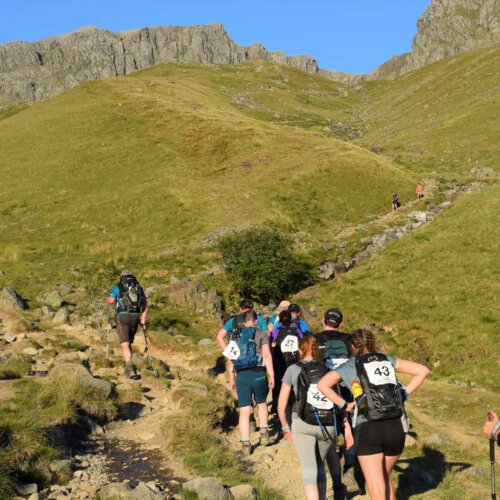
420, 191
491, 428
285, 351
131, 311
334, 347
296, 321
274, 319
312, 428
395, 201
249, 356
245, 305
379, 435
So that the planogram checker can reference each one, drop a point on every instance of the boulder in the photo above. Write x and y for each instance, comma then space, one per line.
419, 216
10, 337
114, 491
53, 299
143, 491
30, 351
11, 300
98, 386
60, 465
27, 489
47, 312
69, 370
61, 317
67, 357
243, 492
207, 488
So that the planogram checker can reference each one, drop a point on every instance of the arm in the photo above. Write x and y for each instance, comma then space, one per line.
221, 334
489, 426
325, 386
268, 363
144, 314
282, 404
418, 371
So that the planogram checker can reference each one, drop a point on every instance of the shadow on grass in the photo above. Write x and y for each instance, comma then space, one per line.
424, 473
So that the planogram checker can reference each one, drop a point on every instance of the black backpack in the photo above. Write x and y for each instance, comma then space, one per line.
130, 295
380, 386
287, 341
312, 406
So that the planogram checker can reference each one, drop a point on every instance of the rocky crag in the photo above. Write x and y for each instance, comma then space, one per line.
31, 72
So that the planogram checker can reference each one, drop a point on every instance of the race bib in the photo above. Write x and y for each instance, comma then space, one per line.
290, 344
335, 363
318, 399
381, 373
232, 351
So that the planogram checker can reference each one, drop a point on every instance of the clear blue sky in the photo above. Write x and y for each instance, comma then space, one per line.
345, 35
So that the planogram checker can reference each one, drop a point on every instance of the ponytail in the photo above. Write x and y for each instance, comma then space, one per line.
308, 347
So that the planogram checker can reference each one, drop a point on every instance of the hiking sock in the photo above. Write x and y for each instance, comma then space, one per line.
245, 441
263, 430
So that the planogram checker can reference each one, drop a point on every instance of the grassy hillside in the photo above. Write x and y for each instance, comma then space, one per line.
443, 117
435, 293
132, 166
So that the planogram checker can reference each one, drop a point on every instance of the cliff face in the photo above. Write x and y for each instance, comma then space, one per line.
447, 28
34, 71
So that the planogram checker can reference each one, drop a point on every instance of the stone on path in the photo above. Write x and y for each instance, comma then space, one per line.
243, 492
98, 386
61, 317
27, 489
60, 465
114, 491
53, 299
10, 337
143, 492
207, 488
30, 351
11, 300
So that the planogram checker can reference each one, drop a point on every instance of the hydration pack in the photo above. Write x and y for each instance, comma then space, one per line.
335, 353
381, 388
312, 406
130, 295
244, 348
287, 341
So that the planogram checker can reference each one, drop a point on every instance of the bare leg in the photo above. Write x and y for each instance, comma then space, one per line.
244, 421
374, 471
262, 413
311, 492
127, 353
389, 463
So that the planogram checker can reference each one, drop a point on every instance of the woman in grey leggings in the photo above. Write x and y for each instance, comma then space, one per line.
308, 439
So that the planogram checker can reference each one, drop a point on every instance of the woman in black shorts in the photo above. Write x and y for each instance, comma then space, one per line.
379, 443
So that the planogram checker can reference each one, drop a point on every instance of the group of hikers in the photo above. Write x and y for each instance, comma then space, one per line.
324, 385
395, 198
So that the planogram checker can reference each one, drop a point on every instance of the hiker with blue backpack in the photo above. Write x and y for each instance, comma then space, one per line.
311, 427
381, 423
334, 347
249, 357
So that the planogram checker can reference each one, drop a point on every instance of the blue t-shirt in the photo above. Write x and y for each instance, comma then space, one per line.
261, 323
302, 326
115, 293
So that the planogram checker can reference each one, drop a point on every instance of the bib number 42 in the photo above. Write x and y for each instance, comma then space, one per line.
318, 399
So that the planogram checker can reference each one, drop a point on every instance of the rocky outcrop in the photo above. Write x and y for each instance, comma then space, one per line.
12, 301
34, 71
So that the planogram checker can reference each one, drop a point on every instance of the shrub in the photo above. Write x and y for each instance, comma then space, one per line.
261, 263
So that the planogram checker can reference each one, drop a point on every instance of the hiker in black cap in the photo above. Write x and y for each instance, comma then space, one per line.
302, 325
334, 347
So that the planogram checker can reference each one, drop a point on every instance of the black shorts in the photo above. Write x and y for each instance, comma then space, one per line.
383, 436
126, 326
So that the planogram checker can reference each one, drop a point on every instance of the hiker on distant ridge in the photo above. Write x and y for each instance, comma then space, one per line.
395, 201
420, 191
131, 311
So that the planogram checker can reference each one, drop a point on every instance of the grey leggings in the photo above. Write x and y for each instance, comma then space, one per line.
311, 449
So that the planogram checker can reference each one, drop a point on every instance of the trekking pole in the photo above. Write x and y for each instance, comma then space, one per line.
492, 460
149, 352
108, 332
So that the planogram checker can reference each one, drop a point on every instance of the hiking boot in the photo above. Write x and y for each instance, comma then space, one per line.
130, 371
350, 481
339, 492
246, 449
264, 438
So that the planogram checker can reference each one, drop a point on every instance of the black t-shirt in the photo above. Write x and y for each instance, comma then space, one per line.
323, 337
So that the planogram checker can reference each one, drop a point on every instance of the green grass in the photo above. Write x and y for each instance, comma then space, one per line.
14, 367
434, 292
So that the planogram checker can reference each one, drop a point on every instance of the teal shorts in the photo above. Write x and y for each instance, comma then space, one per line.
249, 382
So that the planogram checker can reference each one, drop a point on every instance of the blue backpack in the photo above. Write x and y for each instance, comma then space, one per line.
245, 340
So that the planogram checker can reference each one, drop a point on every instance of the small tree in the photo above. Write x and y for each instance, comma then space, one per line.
261, 263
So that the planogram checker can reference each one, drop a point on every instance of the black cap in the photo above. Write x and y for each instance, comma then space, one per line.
294, 308
285, 318
333, 317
